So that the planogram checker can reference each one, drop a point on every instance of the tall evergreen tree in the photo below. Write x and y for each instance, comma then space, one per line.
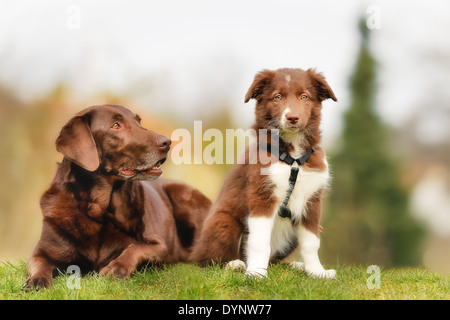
368, 202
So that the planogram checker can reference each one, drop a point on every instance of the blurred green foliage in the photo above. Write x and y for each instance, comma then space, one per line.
368, 207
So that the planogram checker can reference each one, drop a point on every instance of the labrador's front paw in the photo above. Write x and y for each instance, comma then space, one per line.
118, 269
37, 283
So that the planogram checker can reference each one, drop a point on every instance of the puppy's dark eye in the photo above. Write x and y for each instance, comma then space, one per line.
304, 97
278, 97
115, 126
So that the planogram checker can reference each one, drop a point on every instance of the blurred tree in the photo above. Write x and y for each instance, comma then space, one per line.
368, 204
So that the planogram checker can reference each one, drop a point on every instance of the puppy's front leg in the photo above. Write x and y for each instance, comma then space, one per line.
309, 242
258, 245
309, 247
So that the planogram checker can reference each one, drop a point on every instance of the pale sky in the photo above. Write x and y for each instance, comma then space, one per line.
189, 56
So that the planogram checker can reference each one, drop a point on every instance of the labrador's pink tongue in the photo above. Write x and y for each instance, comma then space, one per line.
127, 172
153, 171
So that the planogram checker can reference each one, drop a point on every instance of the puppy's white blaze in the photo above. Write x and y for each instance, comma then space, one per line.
287, 78
309, 245
258, 245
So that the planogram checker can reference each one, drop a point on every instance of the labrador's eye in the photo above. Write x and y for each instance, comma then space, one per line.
115, 126
278, 97
304, 96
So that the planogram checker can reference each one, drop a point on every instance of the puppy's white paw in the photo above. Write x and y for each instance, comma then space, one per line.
257, 273
297, 265
321, 273
236, 265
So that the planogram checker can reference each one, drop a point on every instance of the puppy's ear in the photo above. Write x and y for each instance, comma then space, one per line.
76, 143
323, 89
262, 79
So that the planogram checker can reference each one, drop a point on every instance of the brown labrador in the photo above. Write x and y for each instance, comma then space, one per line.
105, 210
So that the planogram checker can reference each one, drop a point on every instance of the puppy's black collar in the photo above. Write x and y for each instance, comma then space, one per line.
285, 157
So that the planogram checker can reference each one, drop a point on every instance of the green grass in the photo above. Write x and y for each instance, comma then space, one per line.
181, 281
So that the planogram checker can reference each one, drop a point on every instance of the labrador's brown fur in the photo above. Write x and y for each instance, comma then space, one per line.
100, 214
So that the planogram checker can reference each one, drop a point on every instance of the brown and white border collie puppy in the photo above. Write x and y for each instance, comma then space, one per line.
244, 228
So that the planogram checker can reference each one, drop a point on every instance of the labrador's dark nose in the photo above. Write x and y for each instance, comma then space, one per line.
163, 143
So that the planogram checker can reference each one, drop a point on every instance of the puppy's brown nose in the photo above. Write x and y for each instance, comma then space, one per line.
163, 143
292, 118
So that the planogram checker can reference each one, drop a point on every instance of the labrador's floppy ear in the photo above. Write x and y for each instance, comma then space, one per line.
262, 79
323, 88
76, 143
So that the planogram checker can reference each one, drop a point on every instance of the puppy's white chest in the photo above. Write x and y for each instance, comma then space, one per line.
308, 182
